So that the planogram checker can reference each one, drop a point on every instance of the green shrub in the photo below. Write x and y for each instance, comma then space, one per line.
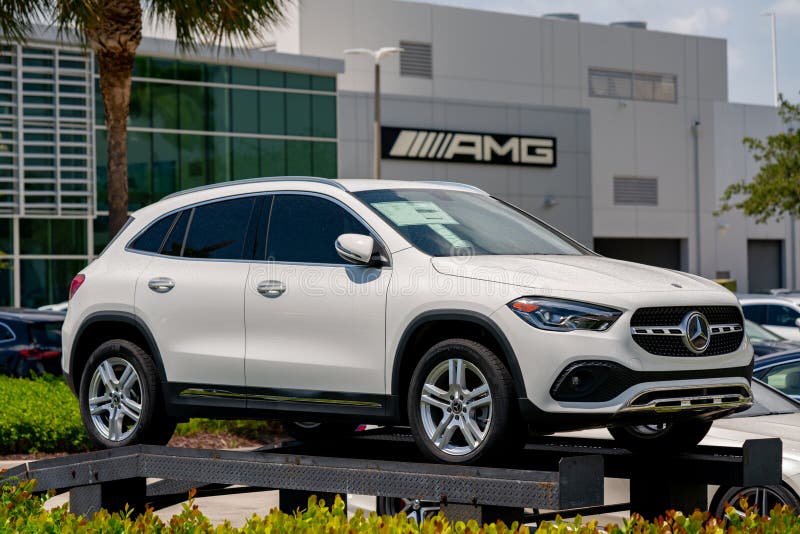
22, 511
39, 415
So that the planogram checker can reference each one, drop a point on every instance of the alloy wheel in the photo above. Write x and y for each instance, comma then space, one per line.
115, 399
456, 407
763, 498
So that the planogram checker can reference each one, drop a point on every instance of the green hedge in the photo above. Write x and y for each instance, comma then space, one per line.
41, 414
21, 511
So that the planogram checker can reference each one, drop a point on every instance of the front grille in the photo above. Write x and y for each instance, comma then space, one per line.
672, 315
672, 345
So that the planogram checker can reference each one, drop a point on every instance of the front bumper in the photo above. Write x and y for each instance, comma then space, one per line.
583, 379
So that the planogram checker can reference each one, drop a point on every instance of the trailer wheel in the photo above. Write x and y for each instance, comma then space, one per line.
765, 498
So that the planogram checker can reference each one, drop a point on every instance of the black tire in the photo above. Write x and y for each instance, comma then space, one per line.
756, 496
500, 432
153, 426
312, 431
678, 436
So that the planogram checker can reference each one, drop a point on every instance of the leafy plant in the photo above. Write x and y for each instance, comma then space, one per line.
775, 190
23, 511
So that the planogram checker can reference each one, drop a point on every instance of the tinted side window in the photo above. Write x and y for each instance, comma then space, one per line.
5, 333
304, 228
778, 315
153, 237
219, 230
755, 312
174, 243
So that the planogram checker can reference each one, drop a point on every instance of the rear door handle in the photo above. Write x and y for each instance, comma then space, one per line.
161, 284
271, 288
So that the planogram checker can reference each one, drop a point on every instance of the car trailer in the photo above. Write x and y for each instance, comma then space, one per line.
549, 476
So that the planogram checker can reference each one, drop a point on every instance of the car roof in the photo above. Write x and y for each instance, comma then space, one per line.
30, 315
777, 358
350, 185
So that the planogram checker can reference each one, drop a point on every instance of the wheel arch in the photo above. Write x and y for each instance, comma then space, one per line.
431, 327
103, 326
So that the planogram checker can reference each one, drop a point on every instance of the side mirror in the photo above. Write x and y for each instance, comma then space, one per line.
797, 322
356, 248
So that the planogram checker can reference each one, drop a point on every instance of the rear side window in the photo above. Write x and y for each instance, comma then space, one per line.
304, 228
219, 230
153, 237
6, 334
174, 243
755, 312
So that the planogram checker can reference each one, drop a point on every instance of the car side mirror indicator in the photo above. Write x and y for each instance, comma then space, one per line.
356, 248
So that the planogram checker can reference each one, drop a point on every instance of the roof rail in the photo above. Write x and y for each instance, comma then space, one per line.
456, 184
312, 179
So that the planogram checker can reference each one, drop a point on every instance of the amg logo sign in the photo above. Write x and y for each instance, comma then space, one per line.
467, 147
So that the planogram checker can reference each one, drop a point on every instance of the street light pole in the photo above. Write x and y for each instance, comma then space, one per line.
376, 56
776, 92
376, 126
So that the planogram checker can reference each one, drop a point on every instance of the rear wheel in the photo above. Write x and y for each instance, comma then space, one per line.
120, 397
676, 436
460, 403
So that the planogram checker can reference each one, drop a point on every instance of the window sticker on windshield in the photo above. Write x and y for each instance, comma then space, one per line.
449, 236
409, 213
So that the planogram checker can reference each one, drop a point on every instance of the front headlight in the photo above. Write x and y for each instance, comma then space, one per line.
564, 315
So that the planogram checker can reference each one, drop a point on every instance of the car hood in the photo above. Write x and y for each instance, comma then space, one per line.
590, 274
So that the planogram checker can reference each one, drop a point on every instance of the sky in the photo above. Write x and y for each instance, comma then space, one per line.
739, 21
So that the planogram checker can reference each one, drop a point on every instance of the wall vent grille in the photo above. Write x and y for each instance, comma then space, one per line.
635, 191
416, 59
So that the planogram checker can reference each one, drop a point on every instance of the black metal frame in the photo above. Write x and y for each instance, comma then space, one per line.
564, 475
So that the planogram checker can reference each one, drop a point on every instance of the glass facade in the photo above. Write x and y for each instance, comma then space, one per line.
191, 123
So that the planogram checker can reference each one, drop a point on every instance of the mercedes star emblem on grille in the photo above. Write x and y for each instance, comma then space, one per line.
697, 332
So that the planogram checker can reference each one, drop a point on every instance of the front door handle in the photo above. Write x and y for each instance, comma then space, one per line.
161, 284
271, 288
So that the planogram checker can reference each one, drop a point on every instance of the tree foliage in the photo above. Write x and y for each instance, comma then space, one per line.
775, 191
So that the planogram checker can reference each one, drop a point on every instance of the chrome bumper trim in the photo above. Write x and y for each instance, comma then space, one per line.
673, 400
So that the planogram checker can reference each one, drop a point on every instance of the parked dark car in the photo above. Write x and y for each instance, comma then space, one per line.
781, 371
765, 342
30, 341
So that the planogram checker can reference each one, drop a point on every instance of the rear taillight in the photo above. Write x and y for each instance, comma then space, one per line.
38, 354
76, 284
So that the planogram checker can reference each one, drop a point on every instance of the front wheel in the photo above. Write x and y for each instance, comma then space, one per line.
120, 399
678, 436
460, 403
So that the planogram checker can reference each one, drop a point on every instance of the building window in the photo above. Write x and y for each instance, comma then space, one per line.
416, 59
630, 85
635, 191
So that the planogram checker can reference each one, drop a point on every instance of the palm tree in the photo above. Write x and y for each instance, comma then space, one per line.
113, 30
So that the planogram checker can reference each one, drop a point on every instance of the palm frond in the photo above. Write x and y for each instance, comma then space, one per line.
217, 22
17, 17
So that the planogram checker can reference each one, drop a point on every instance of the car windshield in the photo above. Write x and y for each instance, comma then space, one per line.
456, 223
756, 332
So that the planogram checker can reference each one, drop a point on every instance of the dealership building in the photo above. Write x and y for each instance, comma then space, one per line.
621, 136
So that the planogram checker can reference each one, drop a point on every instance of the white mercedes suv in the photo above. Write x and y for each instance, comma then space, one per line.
329, 303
